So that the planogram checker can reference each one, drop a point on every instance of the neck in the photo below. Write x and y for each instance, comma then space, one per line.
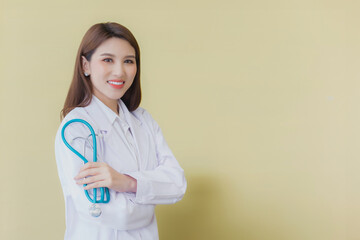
114, 107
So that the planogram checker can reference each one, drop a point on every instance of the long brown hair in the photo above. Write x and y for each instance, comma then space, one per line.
80, 91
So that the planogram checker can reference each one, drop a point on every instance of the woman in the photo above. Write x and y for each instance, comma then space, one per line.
134, 161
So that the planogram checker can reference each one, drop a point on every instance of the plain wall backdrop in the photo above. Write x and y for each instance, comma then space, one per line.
259, 101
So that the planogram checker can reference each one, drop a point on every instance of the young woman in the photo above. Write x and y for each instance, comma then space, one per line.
134, 161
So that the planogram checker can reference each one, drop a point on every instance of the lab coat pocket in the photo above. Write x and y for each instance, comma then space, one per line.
130, 197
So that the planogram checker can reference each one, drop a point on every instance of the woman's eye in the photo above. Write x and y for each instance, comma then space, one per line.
129, 61
107, 60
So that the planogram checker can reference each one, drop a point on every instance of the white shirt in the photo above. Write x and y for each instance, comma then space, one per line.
132, 144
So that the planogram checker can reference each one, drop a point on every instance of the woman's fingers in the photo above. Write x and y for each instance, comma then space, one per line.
87, 172
91, 165
90, 180
98, 184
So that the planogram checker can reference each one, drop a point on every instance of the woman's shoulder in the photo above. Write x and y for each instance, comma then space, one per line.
146, 118
142, 114
76, 127
78, 112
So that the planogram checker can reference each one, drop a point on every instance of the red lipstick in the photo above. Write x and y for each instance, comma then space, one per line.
117, 84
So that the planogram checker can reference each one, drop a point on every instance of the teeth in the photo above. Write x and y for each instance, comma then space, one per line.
116, 83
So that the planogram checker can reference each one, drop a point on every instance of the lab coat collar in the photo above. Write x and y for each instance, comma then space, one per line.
129, 117
103, 116
110, 115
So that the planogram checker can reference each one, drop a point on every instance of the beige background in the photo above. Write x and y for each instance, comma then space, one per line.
259, 101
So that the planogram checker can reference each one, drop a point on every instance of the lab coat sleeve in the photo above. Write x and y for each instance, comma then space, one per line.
166, 184
69, 165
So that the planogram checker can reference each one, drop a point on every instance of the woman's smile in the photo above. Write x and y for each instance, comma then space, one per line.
117, 84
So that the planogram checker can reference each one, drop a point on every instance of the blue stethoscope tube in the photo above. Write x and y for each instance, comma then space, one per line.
93, 135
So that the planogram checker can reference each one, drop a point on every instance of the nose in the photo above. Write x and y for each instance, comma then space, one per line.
118, 70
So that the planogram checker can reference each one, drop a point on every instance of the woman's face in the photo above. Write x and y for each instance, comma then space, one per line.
112, 69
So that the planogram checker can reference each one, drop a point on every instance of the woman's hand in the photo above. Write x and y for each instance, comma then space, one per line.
99, 174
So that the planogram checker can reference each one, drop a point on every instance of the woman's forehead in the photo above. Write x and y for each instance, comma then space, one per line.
116, 47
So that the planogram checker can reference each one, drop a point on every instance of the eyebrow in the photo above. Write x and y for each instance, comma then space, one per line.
112, 55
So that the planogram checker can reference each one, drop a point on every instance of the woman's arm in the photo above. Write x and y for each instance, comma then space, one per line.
166, 184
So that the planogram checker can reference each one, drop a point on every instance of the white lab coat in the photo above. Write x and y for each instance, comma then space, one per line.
132, 144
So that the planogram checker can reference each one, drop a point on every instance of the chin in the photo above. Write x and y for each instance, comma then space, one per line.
117, 97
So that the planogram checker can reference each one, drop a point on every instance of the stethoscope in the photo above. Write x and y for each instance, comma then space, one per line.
94, 209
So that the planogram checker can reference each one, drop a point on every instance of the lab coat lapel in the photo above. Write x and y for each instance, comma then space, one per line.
140, 136
101, 125
104, 125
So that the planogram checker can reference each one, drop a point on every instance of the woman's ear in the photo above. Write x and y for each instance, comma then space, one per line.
85, 65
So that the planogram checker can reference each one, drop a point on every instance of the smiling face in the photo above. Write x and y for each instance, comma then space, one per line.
112, 69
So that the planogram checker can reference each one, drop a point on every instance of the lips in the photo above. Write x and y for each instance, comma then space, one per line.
117, 84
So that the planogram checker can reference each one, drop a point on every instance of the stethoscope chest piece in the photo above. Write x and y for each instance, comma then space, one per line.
95, 210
